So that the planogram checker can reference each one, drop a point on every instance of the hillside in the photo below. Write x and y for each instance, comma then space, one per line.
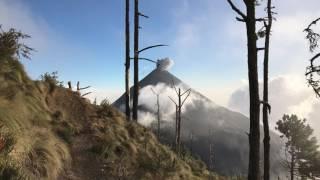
50, 132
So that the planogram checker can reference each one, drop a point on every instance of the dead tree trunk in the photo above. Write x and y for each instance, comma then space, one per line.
158, 114
266, 140
176, 128
292, 166
158, 111
254, 135
254, 154
78, 86
127, 60
136, 58
179, 121
179, 105
136, 61
69, 85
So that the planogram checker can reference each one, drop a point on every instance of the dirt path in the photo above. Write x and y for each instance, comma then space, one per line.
85, 165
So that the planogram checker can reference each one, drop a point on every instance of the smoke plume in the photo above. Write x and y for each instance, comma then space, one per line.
165, 64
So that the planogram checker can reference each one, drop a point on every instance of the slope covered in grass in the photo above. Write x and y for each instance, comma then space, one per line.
50, 132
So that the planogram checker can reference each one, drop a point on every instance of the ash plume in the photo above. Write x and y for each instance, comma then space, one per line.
165, 64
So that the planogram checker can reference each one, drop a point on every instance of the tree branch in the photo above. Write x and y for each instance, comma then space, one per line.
145, 16
174, 87
86, 94
146, 59
314, 58
189, 92
84, 88
150, 47
173, 101
244, 17
312, 23
267, 104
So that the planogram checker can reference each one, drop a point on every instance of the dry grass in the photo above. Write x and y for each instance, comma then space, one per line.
50, 133
31, 150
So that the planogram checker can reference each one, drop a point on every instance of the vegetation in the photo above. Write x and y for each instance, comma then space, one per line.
51, 78
11, 45
301, 149
58, 134
313, 69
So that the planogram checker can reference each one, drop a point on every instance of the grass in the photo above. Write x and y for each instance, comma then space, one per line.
31, 149
44, 129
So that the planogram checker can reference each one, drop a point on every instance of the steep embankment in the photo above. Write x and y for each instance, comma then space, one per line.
49, 132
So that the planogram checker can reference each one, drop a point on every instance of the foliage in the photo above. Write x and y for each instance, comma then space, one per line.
313, 70
51, 78
302, 155
11, 45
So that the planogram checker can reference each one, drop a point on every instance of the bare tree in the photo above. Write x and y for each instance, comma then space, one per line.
254, 136
266, 106
158, 111
136, 61
137, 15
127, 60
211, 152
182, 97
313, 69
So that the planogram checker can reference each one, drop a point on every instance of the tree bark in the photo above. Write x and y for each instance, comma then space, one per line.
254, 136
136, 61
292, 166
176, 134
69, 85
158, 113
127, 64
179, 122
266, 140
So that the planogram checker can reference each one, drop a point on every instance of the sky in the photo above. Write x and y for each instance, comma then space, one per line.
84, 41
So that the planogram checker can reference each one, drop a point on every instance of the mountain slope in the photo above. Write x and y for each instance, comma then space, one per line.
50, 132
228, 129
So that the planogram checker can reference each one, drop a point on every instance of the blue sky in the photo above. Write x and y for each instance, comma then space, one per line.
84, 41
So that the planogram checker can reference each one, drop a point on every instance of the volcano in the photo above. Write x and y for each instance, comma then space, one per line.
203, 123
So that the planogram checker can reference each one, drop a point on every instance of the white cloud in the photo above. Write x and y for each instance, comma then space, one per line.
167, 107
103, 93
288, 94
14, 14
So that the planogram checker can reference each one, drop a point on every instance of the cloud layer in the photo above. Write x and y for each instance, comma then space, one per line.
288, 95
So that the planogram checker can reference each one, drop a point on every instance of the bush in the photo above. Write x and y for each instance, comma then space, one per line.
51, 78
11, 46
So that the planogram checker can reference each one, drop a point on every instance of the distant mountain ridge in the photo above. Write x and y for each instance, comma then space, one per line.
229, 129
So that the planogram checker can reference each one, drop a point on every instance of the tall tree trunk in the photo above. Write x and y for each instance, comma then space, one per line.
179, 122
136, 61
292, 166
254, 136
266, 140
176, 134
127, 65
158, 113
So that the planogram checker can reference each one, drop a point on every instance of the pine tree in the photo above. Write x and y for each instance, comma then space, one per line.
301, 149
